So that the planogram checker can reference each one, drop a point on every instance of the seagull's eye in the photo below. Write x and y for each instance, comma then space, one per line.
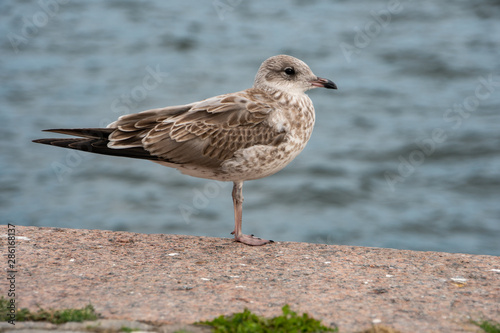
289, 71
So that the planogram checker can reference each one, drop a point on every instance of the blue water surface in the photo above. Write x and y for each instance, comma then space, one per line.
406, 154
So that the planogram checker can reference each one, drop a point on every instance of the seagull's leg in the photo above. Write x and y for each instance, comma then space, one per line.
238, 212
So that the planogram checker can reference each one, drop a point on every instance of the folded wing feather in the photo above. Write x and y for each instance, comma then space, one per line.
204, 133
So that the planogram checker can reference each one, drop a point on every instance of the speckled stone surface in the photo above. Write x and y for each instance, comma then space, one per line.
183, 279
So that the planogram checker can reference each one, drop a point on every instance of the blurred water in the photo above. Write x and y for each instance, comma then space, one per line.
406, 154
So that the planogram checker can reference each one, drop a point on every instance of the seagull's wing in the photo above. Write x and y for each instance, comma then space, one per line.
204, 133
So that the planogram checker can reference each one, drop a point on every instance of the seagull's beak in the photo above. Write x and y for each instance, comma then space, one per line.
324, 83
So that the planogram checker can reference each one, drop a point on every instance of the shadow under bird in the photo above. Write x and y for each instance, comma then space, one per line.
235, 137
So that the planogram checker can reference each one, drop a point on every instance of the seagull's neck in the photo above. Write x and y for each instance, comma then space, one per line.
285, 97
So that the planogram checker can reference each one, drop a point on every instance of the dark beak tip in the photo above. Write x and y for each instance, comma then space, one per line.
330, 85
325, 83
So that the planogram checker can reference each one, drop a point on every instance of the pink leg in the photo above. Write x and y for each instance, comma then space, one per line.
238, 212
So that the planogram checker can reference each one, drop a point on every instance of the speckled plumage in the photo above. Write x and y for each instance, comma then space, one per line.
236, 137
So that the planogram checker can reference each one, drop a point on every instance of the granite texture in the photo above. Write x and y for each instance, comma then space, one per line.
172, 279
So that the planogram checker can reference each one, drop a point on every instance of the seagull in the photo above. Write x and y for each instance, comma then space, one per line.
236, 137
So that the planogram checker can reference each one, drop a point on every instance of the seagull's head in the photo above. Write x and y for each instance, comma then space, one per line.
290, 75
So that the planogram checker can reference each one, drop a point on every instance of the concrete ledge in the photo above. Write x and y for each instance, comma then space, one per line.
101, 326
165, 279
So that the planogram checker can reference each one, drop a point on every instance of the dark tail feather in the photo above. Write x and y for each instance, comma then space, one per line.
95, 141
97, 133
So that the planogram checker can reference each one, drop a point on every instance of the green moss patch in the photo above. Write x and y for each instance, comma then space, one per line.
488, 326
52, 316
247, 321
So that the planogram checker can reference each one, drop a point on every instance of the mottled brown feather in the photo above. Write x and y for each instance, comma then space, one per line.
204, 133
